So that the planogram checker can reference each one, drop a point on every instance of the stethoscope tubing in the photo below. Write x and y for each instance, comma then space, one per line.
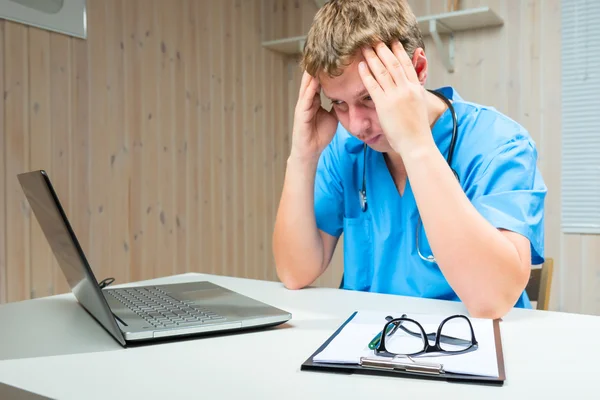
449, 159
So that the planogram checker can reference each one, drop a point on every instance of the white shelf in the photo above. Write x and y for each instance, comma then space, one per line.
456, 21
462, 20
292, 45
430, 25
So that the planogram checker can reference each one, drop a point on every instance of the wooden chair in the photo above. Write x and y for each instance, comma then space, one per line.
540, 282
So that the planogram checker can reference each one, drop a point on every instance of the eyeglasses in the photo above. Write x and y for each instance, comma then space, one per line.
406, 337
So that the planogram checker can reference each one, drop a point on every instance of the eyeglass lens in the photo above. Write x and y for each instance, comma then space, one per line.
407, 339
455, 335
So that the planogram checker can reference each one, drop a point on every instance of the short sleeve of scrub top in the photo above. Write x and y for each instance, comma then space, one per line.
510, 193
495, 159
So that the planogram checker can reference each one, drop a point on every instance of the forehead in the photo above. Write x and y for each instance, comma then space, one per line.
345, 87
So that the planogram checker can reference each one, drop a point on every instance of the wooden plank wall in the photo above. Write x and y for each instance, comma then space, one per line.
167, 131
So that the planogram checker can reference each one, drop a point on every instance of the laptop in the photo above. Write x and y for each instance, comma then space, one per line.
146, 313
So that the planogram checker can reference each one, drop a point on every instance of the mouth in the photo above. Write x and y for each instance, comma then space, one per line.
373, 140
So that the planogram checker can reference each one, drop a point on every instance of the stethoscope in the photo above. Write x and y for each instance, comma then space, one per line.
363, 191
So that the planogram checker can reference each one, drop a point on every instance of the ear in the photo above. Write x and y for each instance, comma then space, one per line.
419, 61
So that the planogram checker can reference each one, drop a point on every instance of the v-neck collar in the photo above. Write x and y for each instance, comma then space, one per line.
387, 187
391, 176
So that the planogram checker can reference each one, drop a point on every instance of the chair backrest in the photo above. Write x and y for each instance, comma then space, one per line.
540, 282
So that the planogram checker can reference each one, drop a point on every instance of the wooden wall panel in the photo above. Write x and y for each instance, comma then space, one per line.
147, 133
166, 23
118, 154
164, 133
190, 224
205, 261
180, 194
257, 174
77, 202
590, 286
216, 112
167, 133
16, 125
3, 226
250, 86
61, 153
227, 139
237, 238
40, 154
99, 184
572, 285
130, 154
550, 146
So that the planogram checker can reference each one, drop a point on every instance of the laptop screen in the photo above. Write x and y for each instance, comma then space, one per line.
66, 248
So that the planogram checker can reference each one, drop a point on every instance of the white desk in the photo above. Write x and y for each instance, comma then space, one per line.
547, 355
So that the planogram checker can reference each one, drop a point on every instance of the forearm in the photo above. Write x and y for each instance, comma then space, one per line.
297, 244
479, 262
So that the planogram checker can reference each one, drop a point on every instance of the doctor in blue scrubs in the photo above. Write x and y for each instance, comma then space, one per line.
436, 196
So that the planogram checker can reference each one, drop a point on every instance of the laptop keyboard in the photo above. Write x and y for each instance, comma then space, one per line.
161, 310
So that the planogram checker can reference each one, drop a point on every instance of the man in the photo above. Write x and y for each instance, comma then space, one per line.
421, 231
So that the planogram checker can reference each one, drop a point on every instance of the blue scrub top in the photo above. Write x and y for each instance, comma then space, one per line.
495, 159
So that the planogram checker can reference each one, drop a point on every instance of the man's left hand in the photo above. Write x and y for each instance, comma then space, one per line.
399, 98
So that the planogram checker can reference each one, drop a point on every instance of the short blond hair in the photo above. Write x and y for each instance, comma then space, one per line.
341, 27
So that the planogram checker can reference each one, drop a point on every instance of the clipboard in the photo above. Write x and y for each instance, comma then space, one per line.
400, 368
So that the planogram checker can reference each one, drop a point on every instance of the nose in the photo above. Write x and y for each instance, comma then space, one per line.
360, 124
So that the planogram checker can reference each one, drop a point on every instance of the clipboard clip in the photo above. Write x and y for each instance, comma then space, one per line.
402, 364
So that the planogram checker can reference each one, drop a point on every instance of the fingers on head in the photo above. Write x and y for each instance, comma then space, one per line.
306, 81
369, 80
378, 59
307, 101
404, 60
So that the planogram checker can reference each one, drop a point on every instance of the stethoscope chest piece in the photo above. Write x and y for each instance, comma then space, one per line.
363, 199
362, 193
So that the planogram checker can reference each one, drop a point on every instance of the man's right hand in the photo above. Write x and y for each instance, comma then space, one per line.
314, 127
301, 250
